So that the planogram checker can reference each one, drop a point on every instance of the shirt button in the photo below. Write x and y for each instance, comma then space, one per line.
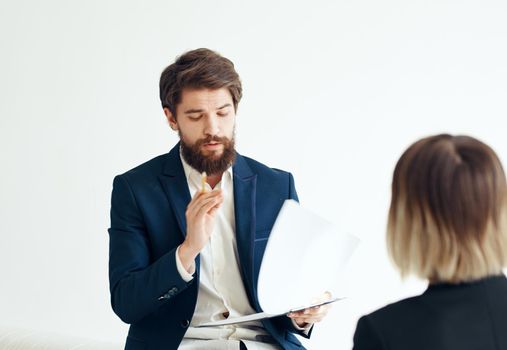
184, 323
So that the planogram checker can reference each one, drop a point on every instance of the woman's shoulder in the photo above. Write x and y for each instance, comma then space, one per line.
397, 309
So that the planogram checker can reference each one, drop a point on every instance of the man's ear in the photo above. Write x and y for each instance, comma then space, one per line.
171, 119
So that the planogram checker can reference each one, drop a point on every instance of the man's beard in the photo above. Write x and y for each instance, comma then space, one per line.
209, 163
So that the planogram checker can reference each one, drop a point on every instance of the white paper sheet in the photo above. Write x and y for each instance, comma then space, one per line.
303, 259
263, 315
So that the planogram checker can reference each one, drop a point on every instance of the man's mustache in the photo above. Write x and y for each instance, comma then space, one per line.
209, 139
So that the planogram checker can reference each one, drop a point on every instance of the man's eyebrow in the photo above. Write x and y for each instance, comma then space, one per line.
224, 106
190, 111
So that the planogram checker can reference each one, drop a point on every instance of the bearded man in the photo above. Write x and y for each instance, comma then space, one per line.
186, 248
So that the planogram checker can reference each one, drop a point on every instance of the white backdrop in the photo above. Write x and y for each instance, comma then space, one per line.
334, 91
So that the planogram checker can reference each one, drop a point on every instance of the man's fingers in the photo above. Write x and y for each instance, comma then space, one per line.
213, 210
203, 195
200, 199
303, 320
324, 297
311, 317
310, 312
211, 203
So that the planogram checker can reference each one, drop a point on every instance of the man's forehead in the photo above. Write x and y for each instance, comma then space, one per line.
205, 98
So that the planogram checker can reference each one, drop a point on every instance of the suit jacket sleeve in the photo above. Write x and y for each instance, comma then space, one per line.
138, 286
366, 336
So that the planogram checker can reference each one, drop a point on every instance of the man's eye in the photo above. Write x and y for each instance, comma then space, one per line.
223, 114
195, 116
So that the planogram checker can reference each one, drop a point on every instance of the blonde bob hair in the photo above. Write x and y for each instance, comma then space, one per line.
447, 220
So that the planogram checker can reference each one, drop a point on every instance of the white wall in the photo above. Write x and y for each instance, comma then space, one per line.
333, 91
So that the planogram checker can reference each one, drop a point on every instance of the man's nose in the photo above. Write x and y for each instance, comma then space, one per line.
212, 127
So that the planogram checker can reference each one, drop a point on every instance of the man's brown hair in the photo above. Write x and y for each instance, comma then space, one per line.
198, 69
448, 220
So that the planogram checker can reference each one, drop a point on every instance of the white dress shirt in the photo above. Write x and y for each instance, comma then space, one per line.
221, 288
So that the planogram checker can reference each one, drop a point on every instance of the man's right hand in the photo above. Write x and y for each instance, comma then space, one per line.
200, 215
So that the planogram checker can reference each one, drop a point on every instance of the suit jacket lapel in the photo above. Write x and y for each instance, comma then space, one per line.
244, 207
175, 186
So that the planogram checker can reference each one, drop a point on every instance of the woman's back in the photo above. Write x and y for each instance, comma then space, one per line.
466, 316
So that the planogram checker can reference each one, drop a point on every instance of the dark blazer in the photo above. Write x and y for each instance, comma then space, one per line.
467, 316
148, 224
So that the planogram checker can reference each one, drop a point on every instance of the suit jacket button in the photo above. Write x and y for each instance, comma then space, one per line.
184, 323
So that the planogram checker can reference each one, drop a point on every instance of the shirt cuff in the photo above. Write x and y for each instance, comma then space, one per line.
304, 329
185, 275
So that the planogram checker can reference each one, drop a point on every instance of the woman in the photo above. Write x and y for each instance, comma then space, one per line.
448, 224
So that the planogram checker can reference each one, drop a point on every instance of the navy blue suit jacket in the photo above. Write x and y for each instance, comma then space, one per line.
148, 224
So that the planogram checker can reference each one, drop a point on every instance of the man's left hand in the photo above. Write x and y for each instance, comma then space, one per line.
313, 314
